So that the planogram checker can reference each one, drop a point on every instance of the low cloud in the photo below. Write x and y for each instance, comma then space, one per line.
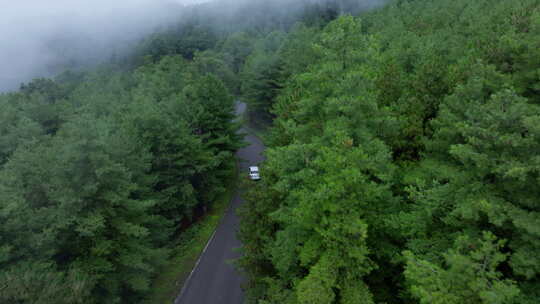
40, 37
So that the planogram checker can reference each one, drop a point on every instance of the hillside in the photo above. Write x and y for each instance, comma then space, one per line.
402, 164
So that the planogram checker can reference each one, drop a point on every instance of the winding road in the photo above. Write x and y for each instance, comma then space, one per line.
214, 279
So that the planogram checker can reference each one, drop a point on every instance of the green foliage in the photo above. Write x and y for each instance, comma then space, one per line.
471, 277
99, 172
87, 217
185, 39
41, 284
213, 62
187, 248
403, 164
236, 48
15, 129
261, 75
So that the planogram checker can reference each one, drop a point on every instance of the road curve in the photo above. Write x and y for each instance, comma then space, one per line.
214, 280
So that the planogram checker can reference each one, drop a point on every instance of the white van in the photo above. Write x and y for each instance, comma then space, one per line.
254, 173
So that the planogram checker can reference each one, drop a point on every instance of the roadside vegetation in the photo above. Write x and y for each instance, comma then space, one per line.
187, 248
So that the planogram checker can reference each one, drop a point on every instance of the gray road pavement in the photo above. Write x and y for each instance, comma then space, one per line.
215, 280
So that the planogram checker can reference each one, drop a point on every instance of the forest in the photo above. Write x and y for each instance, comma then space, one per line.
101, 170
402, 165
403, 162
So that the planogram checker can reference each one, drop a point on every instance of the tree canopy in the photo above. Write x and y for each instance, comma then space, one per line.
402, 164
403, 158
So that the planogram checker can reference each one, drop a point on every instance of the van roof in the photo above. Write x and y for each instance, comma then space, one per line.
254, 168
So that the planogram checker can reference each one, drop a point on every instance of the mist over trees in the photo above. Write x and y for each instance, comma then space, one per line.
43, 38
402, 162
100, 169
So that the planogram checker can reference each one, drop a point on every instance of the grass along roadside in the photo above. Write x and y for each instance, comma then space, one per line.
190, 245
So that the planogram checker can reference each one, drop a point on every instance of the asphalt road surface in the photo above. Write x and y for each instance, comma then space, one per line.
214, 279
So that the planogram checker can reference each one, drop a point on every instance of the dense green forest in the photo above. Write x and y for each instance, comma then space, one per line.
100, 170
402, 164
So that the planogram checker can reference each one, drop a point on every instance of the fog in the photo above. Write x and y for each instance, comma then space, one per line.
42, 38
